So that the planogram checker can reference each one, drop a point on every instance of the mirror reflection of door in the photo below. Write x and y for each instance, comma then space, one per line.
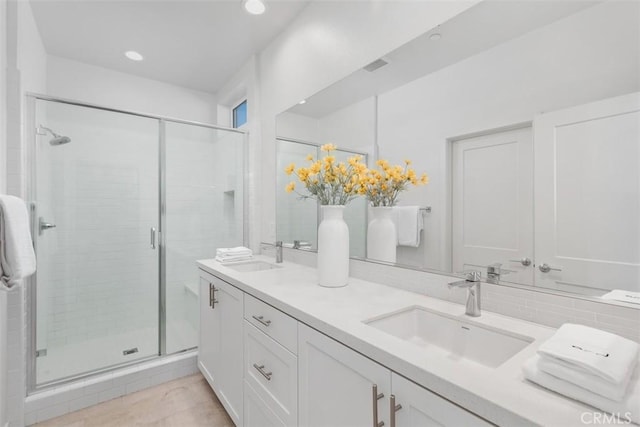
587, 197
492, 206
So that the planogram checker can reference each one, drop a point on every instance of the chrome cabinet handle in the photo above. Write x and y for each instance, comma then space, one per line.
375, 397
260, 369
545, 268
524, 261
153, 237
261, 320
393, 408
212, 295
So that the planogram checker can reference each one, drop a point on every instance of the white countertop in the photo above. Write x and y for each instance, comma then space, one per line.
500, 395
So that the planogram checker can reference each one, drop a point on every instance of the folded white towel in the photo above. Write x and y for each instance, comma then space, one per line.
17, 258
586, 349
224, 260
409, 223
586, 380
629, 407
231, 252
625, 296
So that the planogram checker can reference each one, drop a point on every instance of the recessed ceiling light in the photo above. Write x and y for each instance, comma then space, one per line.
255, 7
435, 36
304, 101
133, 55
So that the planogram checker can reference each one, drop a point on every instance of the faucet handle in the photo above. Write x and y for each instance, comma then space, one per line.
473, 276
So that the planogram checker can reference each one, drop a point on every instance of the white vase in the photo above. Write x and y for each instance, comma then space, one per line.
382, 237
333, 247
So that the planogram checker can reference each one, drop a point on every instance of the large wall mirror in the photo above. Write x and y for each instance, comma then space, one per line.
526, 116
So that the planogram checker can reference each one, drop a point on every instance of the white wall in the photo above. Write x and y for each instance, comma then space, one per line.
83, 82
563, 64
326, 42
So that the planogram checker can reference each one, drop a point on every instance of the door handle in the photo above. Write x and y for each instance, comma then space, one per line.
375, 397
545, 268
524, 261
42, 225
153, 237
393, 408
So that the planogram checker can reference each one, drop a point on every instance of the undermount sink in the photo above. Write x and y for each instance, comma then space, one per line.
250, 266
450, 335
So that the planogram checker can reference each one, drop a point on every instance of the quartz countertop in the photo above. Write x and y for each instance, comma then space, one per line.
500, 395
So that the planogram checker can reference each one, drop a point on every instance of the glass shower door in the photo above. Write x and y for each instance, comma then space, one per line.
96, 207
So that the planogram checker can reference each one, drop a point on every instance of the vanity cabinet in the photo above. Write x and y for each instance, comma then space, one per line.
220, 342
336, 384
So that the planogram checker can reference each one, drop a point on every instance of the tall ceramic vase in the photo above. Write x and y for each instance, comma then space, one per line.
382, 237
333, 247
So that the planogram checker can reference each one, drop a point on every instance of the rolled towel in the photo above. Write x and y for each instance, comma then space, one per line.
231, 252
586, 380
629, 407
585, 349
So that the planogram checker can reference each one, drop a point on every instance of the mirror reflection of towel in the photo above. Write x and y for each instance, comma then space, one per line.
409, 223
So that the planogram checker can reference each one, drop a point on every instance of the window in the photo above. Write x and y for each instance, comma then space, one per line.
240, 114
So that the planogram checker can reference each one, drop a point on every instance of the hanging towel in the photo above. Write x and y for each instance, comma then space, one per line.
591, 350
625, 296
17, 259
630, 405
409, 223
585, 380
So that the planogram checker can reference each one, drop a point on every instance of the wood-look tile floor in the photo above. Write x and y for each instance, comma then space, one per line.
184, 402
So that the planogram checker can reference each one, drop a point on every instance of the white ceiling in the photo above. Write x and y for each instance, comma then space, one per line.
196, 44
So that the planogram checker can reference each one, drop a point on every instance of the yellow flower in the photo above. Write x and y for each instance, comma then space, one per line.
310, 157
424, 179
407, 162
315, 168
303, 174
289, 169
290, 187
328, 147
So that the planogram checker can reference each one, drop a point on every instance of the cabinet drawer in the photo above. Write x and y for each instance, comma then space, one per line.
256, 412
272, 322
272, 371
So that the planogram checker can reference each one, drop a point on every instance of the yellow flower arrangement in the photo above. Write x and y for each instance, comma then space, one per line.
383, 185
328, 181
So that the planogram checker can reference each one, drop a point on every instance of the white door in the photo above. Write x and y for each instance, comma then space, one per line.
420, 407
220, 350
492, 196
336, 384
587, 196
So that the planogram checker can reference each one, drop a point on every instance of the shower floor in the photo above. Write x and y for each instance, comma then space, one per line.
82, 357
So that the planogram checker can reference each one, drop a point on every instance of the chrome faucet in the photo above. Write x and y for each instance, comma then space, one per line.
279, 252
472, 284
494, 271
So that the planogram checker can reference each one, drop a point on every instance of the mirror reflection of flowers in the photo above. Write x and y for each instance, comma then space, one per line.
328, 181
384, 184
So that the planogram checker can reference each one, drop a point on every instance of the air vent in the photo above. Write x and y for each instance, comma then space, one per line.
378, 63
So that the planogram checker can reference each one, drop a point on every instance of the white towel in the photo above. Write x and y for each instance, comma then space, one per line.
629, 407
234, 252
586, 349
17, 259
588, 381
409, 223
230, 259
620, 295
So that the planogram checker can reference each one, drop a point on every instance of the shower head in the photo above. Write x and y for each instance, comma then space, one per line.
57, 139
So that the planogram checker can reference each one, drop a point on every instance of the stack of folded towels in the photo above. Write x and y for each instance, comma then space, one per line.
239, 253
592, 366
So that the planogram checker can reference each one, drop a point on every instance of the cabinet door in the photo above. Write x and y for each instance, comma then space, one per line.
335, 385
256, 412
420, 407
220, 354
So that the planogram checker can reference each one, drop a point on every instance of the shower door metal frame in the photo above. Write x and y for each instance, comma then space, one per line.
30, 138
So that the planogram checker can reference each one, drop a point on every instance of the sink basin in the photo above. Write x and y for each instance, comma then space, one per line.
455, 338
250, 266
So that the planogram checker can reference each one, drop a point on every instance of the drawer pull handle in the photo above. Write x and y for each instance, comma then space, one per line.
376, 396
393, 408
261, 320
260, 369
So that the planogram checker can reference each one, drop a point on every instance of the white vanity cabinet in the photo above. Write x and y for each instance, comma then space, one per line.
220, 343
336, 387
336, 384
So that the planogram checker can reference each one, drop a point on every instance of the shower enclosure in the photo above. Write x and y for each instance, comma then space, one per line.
122, 206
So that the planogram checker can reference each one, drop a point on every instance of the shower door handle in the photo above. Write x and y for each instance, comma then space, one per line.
42, 225
153, 237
